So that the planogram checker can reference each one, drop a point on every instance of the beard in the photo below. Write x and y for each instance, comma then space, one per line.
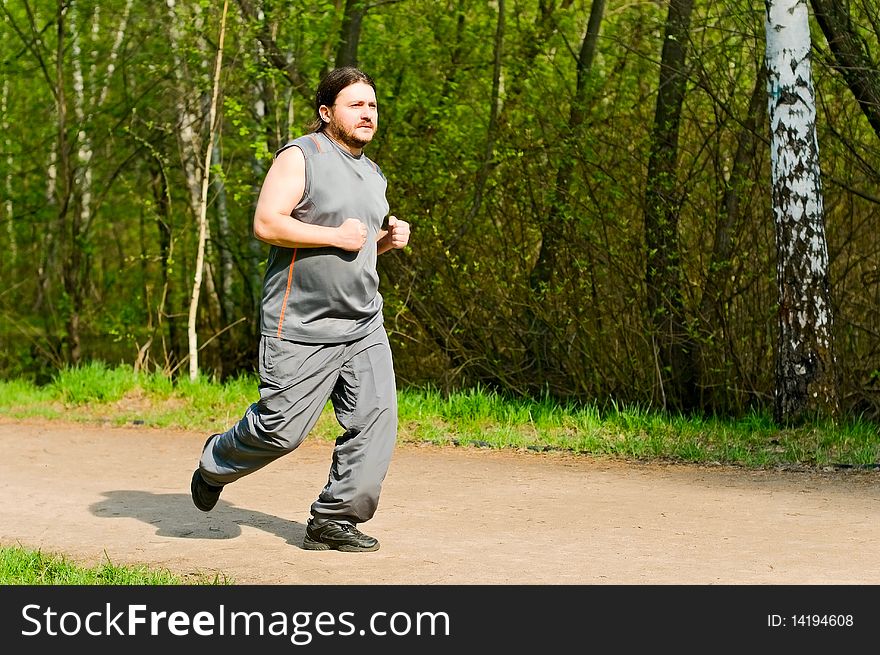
347, 137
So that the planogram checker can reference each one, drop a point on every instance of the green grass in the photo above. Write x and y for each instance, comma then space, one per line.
21, 566
471, 418
475, 417
486, 419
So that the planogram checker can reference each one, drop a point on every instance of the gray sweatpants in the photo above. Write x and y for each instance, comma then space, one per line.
296, 380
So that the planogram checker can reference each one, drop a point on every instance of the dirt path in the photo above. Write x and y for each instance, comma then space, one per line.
447, 515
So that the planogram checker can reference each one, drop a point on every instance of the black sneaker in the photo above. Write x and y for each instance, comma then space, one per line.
334, 535
204, 495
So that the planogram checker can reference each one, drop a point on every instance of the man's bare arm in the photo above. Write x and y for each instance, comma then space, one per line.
281, 191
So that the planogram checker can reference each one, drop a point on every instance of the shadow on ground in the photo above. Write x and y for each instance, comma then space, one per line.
174, 516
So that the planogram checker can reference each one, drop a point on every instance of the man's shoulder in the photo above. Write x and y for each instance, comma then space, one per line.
375, 167
309, 144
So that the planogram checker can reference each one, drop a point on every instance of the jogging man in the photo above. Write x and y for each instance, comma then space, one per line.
323, 210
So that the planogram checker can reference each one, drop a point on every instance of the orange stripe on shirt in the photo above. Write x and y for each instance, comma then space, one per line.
317, 143
286, 292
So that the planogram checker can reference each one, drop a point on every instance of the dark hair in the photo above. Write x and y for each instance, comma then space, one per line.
333, 82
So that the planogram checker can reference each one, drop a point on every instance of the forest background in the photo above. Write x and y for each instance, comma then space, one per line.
528, 143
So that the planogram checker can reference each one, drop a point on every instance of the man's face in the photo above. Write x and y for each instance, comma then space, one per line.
354, 115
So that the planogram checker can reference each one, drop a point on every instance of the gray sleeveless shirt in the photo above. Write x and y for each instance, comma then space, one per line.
328, 295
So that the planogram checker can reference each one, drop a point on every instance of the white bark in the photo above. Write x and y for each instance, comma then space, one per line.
114, 52
203, 206
84, 148
52, 177
91, 98
188, 119
804, 360
8, 214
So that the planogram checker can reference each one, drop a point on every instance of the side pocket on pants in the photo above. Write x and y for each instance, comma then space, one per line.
269, 366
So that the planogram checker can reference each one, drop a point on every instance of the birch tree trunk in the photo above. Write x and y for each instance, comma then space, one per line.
805, 372
77, 169
83, 138
203, 207
188, 119
189, 102
8, 215
88, 99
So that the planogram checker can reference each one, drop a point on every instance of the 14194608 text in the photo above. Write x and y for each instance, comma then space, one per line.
810, 621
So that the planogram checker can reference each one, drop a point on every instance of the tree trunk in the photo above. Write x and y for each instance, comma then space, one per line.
197, 173
188, 119
164, 217
674, 347
350, 34
203, 207
552, 233
68, 213
851, 58
805, 371
223, 240
8, 211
